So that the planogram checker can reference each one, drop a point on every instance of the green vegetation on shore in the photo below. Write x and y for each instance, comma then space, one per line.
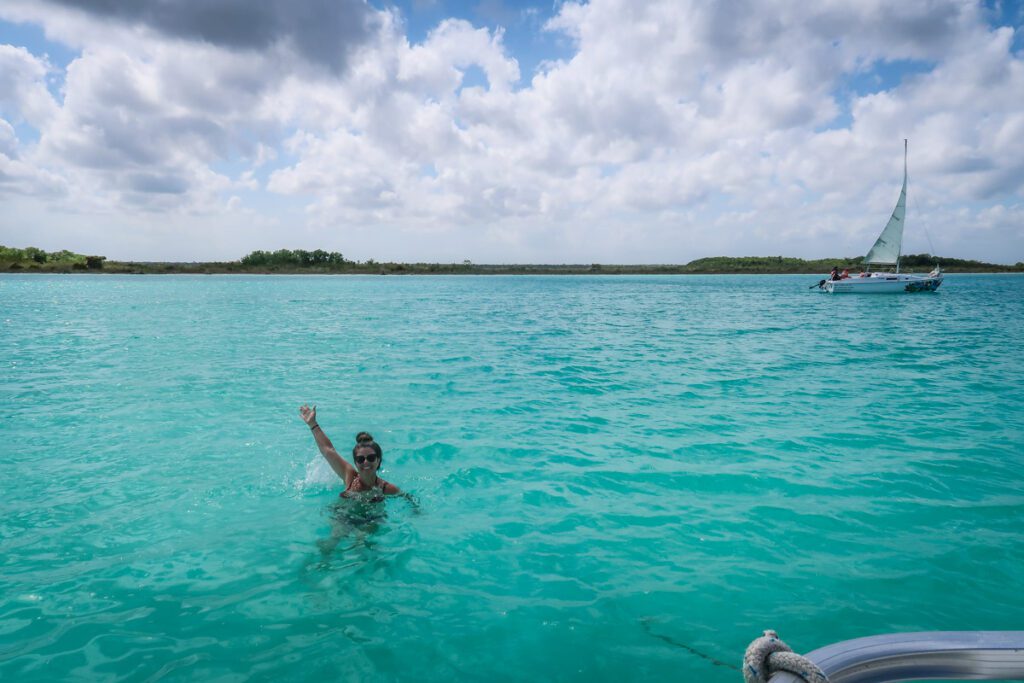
294, 261
34, 259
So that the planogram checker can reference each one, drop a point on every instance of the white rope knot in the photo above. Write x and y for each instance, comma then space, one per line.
768, 655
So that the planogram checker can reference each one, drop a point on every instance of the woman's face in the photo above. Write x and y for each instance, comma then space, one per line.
366, 459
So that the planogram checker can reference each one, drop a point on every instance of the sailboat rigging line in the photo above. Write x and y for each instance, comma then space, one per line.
899, 252
917, 208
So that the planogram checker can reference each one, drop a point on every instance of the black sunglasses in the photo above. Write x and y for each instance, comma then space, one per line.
361, 458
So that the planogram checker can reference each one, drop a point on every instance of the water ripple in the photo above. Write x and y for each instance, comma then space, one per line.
615, 477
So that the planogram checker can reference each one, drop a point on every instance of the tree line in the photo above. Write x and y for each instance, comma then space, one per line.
319, 260
15, 259
297, 258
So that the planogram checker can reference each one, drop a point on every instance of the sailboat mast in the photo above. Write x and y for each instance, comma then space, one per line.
888, 248
900, 252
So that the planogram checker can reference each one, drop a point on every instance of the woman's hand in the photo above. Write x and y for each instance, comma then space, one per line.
308, 415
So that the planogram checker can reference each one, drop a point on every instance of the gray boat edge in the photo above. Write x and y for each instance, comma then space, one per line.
926, 655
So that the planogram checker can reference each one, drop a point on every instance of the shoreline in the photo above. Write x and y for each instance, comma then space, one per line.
533, 270
320, 262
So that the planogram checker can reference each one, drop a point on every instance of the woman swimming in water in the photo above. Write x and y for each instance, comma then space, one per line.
361, 481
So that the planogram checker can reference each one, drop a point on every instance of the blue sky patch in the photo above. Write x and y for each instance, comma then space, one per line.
1007, 13
880, 77
32, 37
522, 22
27, 135
474, 77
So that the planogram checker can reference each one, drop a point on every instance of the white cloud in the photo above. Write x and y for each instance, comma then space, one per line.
23, 93
22, 179
675, 130
437, 66
8, 139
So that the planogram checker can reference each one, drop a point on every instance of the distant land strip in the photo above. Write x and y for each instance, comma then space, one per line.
300, 261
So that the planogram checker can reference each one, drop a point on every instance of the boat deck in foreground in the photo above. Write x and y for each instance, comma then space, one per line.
929, 655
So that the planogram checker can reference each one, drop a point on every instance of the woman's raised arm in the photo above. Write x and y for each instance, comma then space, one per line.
337, 463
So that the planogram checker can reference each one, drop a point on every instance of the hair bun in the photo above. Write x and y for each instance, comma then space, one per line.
365, 440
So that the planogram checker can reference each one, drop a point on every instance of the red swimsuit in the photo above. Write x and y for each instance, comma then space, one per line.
357, 486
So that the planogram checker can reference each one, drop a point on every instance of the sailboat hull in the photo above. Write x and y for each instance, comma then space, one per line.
884, 283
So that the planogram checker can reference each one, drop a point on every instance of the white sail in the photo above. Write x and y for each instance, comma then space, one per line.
886, 251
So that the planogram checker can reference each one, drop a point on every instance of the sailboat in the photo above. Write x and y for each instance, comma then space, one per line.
886, 254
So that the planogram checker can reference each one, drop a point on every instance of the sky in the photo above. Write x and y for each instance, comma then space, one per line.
612, 131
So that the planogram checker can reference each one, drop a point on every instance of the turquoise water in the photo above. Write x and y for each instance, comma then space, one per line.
617, 477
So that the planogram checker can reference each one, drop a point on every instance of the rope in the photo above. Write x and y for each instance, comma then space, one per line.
768, 655
646, 624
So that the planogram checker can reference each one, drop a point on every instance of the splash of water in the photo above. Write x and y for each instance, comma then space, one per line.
319, 475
